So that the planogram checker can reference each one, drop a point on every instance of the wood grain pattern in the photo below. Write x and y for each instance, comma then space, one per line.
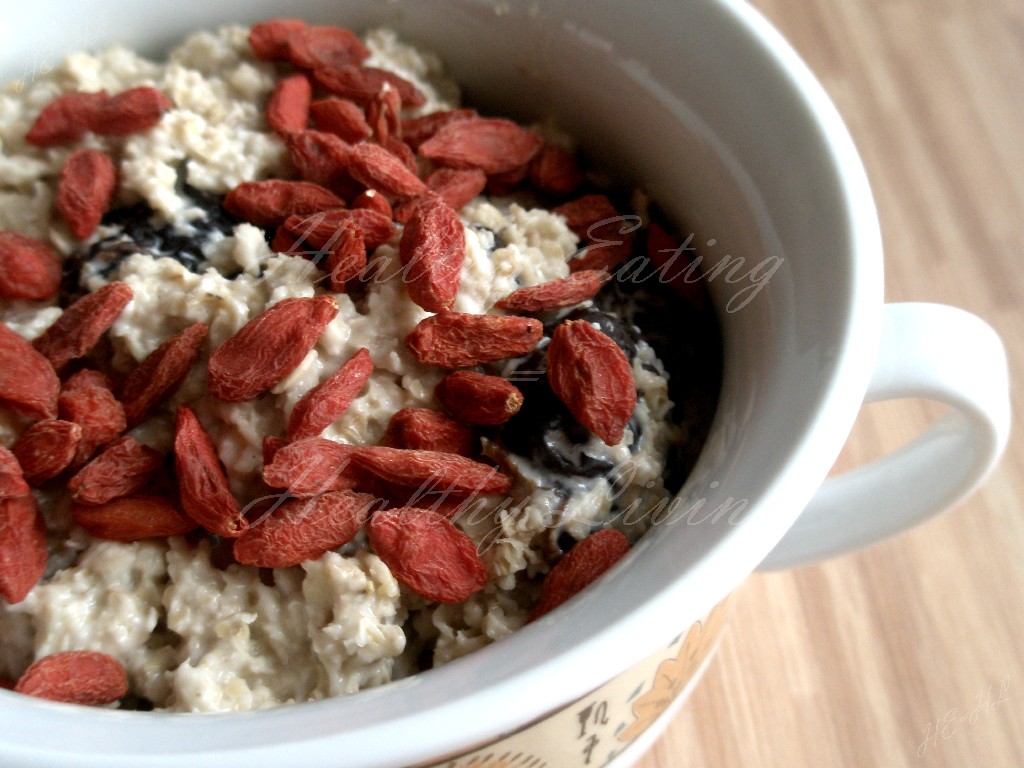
908, 653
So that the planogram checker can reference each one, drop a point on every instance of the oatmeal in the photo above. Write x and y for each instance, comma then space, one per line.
351, 430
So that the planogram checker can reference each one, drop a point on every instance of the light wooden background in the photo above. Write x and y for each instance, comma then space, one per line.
910, 653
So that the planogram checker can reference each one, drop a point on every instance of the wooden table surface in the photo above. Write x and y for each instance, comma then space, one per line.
910, 653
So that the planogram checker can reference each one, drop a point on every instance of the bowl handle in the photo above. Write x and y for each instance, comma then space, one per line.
931, 351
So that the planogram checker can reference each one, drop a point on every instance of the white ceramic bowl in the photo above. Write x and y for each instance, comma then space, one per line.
704, 105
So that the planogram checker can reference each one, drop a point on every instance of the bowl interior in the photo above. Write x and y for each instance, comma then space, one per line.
705, 108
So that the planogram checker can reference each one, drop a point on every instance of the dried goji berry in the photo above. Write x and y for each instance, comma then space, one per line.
477, 398
304, 529
373, 200
75, 677
593, 377
202, 483
128, 112
268, 347
86, 399
416, 130
28, 383
269, 39
288, 108
581, 566
132, 518
462, 340
322, 230
12, 479
347, 257
383, 114
328, 401
22, 547
428, 430
319, 157
431, 470
29, 268
269, 202
555, 171
427, 554
432, 251
121, 469
45, 449
494, 145
76, 331
156, 377
378, 169
65, 120
325, 46
85, 190
563, 292
362, 83
312, 466
342, 117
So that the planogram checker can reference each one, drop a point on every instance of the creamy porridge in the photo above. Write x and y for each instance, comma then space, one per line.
196, 630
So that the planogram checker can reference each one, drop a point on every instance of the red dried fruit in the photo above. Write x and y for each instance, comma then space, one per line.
564, 292
363, 83
322, 230
462, 340
589, 559
377, 168
494, 145
590, 374
673, 266
288, 108
304, 529
65, 120
319, 157
75, 677
12, 479
271, 445
45, 449
158, 376
607, 250
22, 547
76, 331
312, 466
342, 117
431, 470
456, 186
325, 46
86, 400
416, 130
121, 469
383, 114
347, 257
432, 250
553, 170
328, 401
427, 554
268, 347
28, 383
268, 203
476, 398
132, 518
85, 190
428, 430
29, 268
202, 483
403, 152
269, 39
504, 183
373, 200
132, 111
583, 212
